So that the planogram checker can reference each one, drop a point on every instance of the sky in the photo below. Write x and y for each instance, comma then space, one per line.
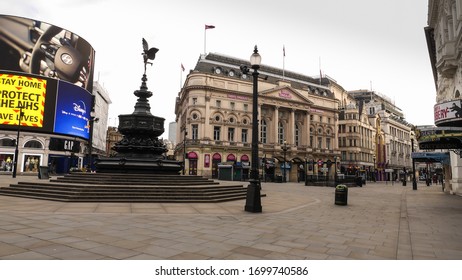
362, 44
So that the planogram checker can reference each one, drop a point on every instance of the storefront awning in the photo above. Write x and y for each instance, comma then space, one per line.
439, 138
431, 157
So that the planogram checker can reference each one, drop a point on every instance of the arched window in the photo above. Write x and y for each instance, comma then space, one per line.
6, 142
263, 132
33, 144
280, 133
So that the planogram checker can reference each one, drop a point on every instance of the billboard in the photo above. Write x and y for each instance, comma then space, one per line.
73, 107
47, 105
48, 72
27, 93
448, 113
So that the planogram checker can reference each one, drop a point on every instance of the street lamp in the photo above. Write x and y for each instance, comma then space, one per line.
373, 169
16, 150
253, 198
284, 149
184, 151
92, 121
414, 182
335, 169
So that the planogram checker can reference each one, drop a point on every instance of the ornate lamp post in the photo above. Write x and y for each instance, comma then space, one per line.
16, 150
335, 169
253, 198
92, 121
414, 182
373, 169
184, 151
284, 149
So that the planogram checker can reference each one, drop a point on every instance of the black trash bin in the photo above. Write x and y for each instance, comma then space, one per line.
341, 195
359, 181
43, 172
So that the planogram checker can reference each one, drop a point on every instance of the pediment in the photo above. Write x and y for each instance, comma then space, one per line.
285, 93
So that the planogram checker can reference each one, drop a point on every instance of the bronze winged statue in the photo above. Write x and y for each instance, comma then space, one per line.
148, 54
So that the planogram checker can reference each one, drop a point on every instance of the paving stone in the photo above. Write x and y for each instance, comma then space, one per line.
297, 222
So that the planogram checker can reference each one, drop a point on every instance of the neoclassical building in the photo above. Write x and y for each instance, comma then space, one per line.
444, 42
298, 120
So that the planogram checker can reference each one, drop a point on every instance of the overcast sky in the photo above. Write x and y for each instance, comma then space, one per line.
362, 44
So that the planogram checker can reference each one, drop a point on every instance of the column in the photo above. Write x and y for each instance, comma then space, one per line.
306, 131
207, 131
291, 128
274, 133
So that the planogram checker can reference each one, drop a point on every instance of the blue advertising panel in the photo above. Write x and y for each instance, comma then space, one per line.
73, 106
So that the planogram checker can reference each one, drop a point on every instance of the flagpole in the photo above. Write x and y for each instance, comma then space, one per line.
205, 36
205, 39
181, 75
283, 61
320, 72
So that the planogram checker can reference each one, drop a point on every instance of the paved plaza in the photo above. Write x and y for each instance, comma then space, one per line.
381, 222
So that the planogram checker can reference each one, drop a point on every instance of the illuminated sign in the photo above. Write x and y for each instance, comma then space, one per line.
448, 112
28, 93
72, 110
48, 71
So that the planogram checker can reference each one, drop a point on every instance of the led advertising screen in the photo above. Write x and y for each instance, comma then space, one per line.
48, 72
36, 96
36, 47
73, 108
27, 93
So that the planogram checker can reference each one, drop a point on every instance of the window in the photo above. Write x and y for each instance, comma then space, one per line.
297, 135
246, 107
280, 133
194, 100
244, 135
311, 117
233, 105
7, 142
195, 131
328, 143
216, 133
263, 131
319, 142
320, 118
218, 103
231, 134
33, 144
311, 141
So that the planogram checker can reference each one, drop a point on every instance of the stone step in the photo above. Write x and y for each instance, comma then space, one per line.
107, 187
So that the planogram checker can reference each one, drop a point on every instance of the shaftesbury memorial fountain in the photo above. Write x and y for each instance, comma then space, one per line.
140, 150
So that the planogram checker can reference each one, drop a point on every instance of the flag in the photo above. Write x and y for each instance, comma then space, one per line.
182, 67
209, 26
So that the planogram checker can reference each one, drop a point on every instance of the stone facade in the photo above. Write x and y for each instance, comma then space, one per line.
444, 41
295, 112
